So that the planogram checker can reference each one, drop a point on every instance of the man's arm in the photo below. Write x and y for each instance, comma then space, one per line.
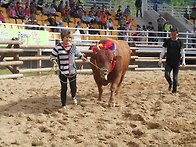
161, 56
162, 53
182, 52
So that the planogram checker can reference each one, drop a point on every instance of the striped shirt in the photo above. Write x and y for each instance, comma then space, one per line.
66, 59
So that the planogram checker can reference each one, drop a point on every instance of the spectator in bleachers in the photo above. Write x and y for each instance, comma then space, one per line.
152, 35
52, 10
50, 19
46, 9
122, 20
29, 22
20, 13
160, 22
33, 7
155, 5
92, 17
5, 3
167, 26
138, 5
194, 9
95, 8
53, 23
144, 28
66, 6
129, 22
186, 15
193, 37
33, 2
71, 3
12, 12
81, 2
55, 5
60, 7
2, 19
33, 18
40, 5
92, 11
98, 19
119, 12
27, 12
105, 10
139, 33
121, 32
79, 25
86, 19
66, 16
103, 17
127, 11
79, 12
60, 24
73, 11
17, 5
91, 26
193, 13
110, 24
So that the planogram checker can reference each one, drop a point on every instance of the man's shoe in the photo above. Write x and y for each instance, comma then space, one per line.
173, 92
74, 101
170, 87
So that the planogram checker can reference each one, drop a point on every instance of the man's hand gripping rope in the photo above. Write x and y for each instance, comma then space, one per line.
55, 67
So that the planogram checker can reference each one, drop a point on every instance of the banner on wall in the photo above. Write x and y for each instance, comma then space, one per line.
28, 37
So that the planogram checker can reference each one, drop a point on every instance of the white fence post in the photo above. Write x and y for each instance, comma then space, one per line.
187, 39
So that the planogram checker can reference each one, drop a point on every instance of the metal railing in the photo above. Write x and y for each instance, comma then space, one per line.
131, 36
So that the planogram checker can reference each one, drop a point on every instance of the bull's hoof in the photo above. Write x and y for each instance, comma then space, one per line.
111, 104
99, 99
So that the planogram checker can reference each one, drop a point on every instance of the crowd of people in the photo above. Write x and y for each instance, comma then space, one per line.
97, 17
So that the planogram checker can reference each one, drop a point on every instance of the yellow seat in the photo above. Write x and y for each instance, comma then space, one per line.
12, 20
57, 36
58, 19
38, 17
19, 21
6, 19
4, 10
59, 14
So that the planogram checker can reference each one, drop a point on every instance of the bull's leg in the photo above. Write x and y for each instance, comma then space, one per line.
100, 89
117, 90
114, 90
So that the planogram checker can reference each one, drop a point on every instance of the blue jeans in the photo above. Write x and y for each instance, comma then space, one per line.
72, 83
168, 69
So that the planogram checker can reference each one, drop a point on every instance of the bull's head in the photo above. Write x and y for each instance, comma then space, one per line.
105, 60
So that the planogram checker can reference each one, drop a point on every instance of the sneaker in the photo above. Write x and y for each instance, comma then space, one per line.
174, 92
74, 101
64, 107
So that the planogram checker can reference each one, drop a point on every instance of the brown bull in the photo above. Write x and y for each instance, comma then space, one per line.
110, 61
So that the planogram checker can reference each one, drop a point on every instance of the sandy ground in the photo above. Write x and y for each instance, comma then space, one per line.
147, 113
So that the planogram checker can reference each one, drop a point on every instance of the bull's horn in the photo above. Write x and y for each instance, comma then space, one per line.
106, 77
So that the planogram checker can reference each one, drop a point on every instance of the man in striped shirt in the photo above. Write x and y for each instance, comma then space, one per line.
63, 56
